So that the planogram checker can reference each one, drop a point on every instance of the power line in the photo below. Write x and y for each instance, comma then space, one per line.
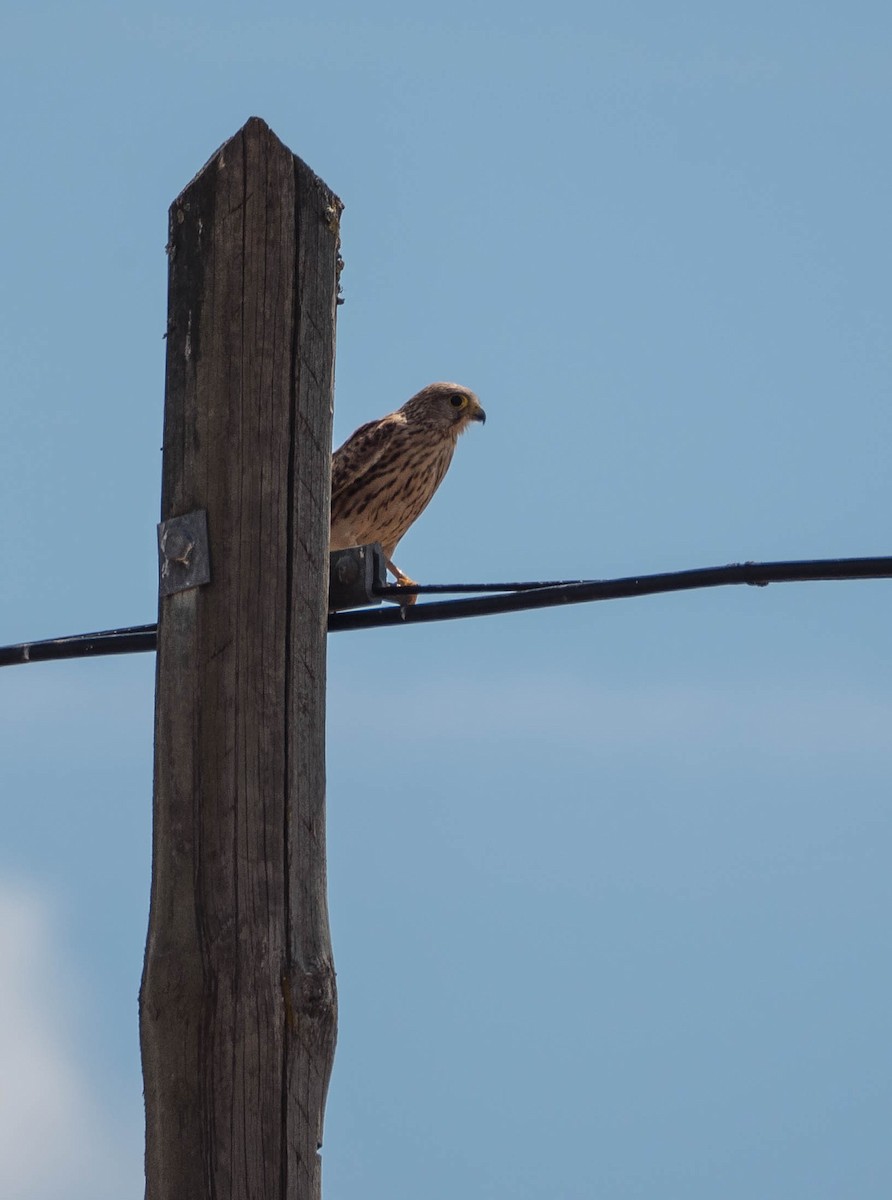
394, 591
587, 591
130, 640
514, 597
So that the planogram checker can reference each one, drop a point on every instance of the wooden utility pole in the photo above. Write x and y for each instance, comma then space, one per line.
237, 1008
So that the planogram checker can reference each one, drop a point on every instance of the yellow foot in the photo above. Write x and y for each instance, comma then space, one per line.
402, 581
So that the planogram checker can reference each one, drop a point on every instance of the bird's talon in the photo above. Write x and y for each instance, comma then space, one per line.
404, 581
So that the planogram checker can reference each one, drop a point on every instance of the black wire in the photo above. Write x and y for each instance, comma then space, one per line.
756, 574
394, 591
83, 645
518, 597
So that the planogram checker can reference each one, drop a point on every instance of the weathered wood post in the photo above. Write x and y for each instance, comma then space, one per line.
237, 1008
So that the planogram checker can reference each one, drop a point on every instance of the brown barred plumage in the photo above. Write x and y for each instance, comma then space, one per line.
384, 475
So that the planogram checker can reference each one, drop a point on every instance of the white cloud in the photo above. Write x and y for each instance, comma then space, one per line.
55, 1141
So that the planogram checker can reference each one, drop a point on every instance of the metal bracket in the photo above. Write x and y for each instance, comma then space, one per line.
183, 557
354, 575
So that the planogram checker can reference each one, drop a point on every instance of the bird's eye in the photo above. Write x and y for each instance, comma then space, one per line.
458, 401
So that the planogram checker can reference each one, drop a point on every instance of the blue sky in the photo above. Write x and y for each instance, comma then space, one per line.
609, 886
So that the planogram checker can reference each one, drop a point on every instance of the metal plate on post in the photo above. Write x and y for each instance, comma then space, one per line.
183, 558
354, 577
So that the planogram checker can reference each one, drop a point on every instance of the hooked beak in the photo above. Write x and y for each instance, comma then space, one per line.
479, 415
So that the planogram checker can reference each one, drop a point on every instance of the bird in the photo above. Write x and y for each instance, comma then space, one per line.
384, 475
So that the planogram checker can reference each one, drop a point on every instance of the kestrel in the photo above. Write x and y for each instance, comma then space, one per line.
384, 475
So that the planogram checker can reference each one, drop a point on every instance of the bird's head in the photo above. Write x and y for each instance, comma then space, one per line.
448, 407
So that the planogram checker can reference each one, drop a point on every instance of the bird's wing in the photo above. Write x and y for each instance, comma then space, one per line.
362, 452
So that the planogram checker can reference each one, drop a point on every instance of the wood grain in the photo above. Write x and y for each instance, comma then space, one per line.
238, 1007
